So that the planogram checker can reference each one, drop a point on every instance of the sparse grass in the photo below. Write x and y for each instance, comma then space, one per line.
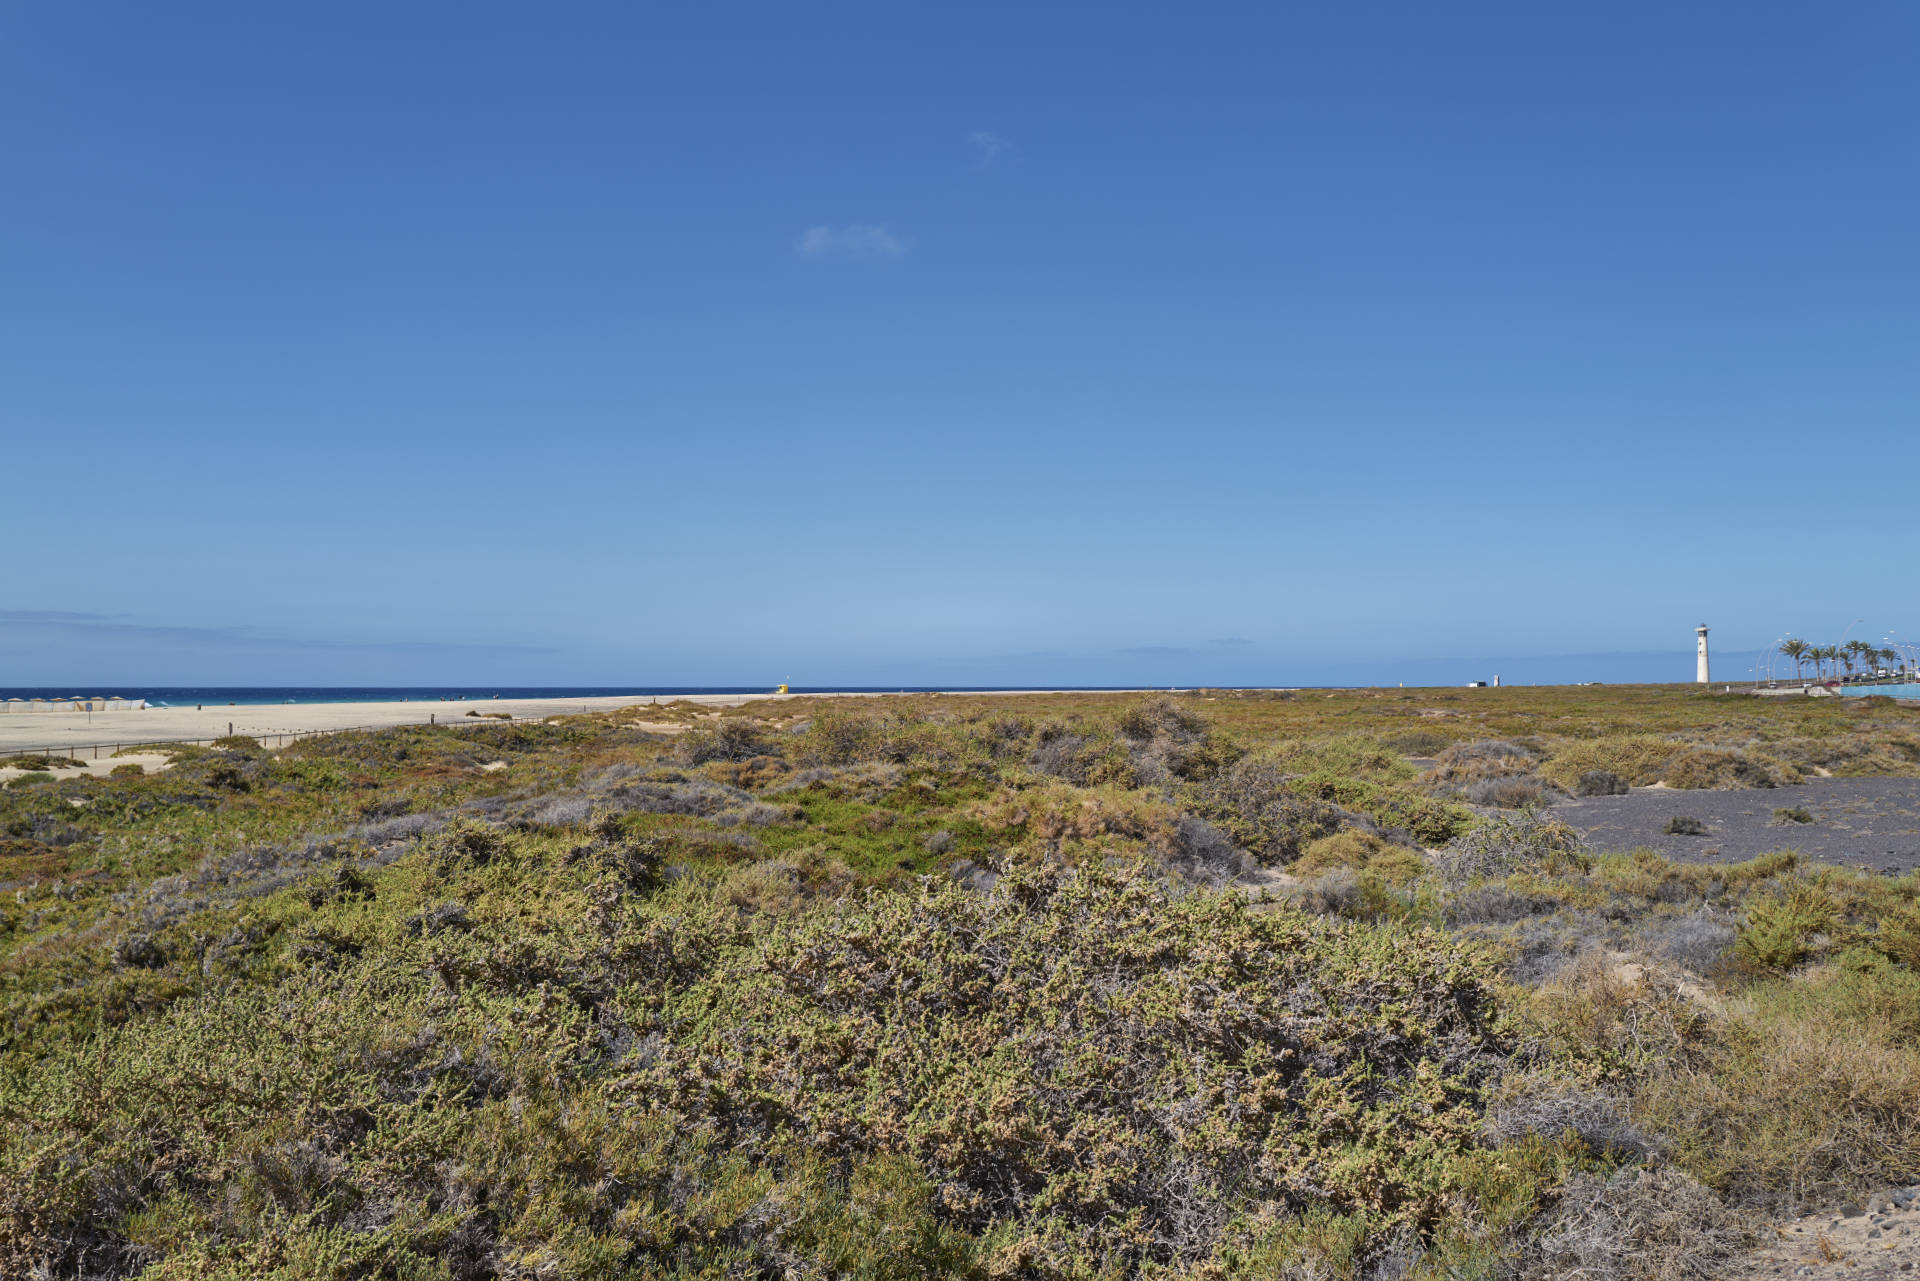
37, 762
1809, 1093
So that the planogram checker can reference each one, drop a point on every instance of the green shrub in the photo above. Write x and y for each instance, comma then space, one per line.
37, 762
1640, 759
1365, 855
1032, 1067
1779, 932
1426, 819
1419, 742
1082, 1069
1254, 803
1898, 936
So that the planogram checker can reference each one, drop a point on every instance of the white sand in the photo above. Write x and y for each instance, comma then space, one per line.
152, 762
60, 732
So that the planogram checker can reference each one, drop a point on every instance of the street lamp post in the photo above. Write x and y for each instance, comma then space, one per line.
1773, 656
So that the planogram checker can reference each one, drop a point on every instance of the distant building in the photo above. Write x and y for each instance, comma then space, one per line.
1476, 684
1701, 677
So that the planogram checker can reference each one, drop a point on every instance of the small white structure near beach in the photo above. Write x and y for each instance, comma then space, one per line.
74, 703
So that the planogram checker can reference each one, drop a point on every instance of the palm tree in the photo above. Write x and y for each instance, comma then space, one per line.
1831, 654
1798, 650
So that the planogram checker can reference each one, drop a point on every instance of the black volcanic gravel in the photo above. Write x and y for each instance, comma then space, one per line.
1859, 822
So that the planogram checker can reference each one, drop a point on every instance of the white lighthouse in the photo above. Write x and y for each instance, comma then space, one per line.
1701, 677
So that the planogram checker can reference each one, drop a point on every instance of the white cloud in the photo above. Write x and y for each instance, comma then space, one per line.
991, 145
856, 242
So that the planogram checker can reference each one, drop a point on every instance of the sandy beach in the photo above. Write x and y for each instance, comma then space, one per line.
60, 732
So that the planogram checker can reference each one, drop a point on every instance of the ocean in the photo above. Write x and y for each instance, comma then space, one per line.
1891, 691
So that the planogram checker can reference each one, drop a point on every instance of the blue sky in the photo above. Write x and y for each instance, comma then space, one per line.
728, 343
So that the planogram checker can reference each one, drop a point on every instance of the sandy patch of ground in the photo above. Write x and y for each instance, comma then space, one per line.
1876, 1241
152, 762
58, 732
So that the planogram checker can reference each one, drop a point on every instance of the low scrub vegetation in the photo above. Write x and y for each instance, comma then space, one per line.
1196, 986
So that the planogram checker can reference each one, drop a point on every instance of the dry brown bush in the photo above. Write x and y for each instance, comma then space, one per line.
1600, 782
1488, 758
1715, 767
1056, 812
753, 773
727, 739
1866, 752
1511, 793
1638, 1225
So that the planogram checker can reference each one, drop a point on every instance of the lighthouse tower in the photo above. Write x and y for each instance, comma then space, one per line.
1702, 677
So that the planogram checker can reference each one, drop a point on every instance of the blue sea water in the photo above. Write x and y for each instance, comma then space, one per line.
244, 696
1891, 691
